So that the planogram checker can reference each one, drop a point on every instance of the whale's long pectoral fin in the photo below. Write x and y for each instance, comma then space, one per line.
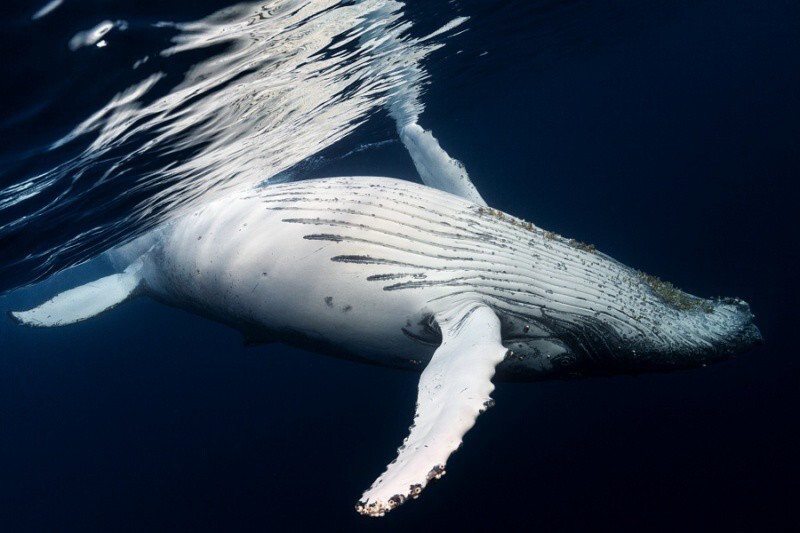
85, 301
436, 168
453, 390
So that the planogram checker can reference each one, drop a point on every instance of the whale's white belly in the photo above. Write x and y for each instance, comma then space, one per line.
278, 265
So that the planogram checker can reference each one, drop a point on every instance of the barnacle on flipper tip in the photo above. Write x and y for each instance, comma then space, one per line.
436, 472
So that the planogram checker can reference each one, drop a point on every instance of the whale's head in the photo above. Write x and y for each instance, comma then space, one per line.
702, 332
628, 323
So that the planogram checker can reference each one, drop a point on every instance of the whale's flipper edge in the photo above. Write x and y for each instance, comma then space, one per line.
85, 301
453, 390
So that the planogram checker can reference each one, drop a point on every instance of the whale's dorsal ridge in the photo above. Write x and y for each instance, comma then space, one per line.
453, 390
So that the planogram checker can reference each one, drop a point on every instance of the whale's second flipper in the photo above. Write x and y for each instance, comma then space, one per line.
453, 390
400, 58
436, 168
85, 301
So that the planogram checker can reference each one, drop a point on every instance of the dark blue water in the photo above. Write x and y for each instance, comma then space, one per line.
668, 136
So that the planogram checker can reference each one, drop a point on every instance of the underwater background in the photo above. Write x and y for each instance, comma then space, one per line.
665, 133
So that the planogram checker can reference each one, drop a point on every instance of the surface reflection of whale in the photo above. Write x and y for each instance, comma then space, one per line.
401, 274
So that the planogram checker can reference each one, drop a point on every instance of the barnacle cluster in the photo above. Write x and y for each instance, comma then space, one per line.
499, 215
673, 296
582, 246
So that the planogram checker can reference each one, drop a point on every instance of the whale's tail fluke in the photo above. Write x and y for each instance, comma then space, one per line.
85, 301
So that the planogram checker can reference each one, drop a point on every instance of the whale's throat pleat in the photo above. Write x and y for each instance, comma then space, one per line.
405, 237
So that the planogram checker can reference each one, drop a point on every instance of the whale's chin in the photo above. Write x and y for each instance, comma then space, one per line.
722, 330
717, 330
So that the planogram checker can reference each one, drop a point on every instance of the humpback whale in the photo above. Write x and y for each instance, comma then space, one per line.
420, 277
